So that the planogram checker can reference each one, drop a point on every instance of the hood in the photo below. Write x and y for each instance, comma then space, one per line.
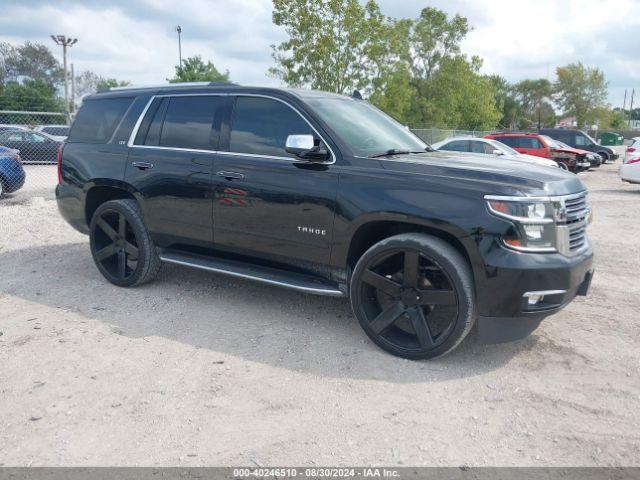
537, 160
573, 151
505, 176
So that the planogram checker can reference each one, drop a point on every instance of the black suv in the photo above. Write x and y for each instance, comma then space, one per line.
581, 140
324, 194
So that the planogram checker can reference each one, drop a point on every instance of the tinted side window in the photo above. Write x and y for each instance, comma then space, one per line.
564, 137
528, 142
581, 140
261, 126
511, 141
188, 122
97, 119
481, 147
456, 146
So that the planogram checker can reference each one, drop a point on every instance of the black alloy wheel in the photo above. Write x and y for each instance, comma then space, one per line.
120, 244
413, 296
116, 247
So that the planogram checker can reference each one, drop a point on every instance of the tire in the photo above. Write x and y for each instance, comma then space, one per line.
434, 288
2, 188
125, 255
563, 165
604, 156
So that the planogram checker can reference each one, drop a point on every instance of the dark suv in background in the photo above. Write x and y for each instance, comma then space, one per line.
581, 140
324, 194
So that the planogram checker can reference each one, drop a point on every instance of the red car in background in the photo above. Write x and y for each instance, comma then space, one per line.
538, 145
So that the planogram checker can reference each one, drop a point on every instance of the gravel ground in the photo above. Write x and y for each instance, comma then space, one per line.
200, 369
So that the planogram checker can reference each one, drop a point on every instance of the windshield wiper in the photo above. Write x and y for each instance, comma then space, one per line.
397, 151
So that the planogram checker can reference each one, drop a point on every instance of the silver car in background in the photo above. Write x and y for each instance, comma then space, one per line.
487, 146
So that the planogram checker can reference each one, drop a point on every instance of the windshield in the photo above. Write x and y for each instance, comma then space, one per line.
504, 147
551, 142
364, 128
589, 137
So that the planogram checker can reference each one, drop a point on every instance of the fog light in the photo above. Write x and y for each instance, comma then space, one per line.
535, 299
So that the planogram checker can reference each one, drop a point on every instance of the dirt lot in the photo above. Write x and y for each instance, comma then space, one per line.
199, 369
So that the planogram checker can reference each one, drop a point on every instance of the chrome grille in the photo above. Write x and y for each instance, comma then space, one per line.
576, 217
576, 208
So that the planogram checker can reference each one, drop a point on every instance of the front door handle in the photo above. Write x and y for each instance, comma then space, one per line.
142, 165
231, 175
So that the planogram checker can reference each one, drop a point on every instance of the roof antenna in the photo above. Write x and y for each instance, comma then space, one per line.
356, 94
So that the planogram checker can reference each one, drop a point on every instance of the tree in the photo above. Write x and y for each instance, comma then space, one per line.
193, 69
333, 45
104, 83
534, 96
458, 97
31, 60
89, 82
30, 95
579, 90
506, 101
434, 38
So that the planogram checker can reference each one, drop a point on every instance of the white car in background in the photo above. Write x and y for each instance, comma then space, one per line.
633, 150
487, 146
629, 171
57, 132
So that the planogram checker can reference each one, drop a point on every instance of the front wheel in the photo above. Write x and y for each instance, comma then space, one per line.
413, 296
120, 244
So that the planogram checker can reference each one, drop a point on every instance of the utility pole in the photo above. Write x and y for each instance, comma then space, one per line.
73, 90
65, 42
633, 92
179, 30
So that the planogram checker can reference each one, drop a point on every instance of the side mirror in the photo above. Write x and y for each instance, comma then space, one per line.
498, 152
306, 147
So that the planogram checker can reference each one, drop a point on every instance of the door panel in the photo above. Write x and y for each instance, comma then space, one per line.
176, 194
171, 164
267, 203
278, 208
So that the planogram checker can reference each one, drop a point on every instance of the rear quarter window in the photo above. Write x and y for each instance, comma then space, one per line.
97, 119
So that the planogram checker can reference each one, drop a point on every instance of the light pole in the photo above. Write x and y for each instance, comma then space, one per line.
179, 30
65, 42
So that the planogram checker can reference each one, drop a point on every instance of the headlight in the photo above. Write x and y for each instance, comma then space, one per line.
534, 221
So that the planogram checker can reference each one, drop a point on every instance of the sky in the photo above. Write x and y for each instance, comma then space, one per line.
135, 40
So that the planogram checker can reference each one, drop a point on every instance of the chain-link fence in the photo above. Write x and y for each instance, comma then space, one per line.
29, 143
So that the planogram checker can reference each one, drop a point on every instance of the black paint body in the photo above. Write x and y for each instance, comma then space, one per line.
352, 202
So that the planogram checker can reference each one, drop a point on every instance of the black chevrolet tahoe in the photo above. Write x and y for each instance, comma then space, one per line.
324, 194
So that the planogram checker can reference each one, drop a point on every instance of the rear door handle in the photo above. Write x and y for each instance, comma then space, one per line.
231, 175
142, 165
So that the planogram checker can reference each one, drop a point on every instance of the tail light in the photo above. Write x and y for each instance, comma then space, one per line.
631, 149
16, 158
59, 161
633, 160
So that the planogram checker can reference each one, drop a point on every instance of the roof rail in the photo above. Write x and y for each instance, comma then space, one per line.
164, 85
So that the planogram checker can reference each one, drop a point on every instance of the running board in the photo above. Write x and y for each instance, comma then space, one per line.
272, 276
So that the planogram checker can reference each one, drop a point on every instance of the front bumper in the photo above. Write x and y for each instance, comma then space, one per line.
584, 165
505, 313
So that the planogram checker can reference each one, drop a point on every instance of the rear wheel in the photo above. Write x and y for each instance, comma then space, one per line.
604, 156
120, 244
413, 296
